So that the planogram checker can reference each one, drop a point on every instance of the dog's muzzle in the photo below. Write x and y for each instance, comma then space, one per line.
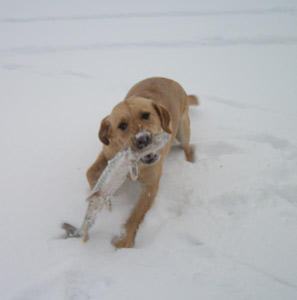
141, 140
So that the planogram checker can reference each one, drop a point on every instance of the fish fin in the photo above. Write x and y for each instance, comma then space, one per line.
85, 235
108, 203
95, 194
134, 171
71, 231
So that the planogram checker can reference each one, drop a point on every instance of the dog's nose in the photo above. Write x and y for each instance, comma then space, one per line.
142, 139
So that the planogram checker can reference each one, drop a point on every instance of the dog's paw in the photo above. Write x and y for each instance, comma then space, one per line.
123, 242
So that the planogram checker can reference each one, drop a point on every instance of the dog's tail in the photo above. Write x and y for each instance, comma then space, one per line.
193, 100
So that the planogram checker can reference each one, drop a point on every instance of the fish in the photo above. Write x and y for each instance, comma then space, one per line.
111, 179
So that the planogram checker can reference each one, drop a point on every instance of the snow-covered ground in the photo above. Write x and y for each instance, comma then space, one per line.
222, 228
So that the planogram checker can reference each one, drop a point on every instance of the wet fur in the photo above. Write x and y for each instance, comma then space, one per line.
168, 104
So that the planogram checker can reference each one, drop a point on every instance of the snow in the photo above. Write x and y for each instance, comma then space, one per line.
221, 228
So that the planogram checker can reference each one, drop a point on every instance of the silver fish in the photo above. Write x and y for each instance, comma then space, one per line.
111, 179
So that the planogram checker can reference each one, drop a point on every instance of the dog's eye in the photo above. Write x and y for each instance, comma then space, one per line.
123, 126
145, 116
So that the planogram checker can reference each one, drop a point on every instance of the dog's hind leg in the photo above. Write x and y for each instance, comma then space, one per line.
183, 135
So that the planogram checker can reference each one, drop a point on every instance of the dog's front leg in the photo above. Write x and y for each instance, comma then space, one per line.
96, 169
146, 199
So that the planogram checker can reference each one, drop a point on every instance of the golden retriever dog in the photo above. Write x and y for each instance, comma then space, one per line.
151, 106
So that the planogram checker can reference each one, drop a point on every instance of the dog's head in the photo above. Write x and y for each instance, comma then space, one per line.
134, 123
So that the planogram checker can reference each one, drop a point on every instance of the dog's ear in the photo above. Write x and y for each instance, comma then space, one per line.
163, 115
104, 131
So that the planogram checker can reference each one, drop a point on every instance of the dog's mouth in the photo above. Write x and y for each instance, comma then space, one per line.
150, 158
